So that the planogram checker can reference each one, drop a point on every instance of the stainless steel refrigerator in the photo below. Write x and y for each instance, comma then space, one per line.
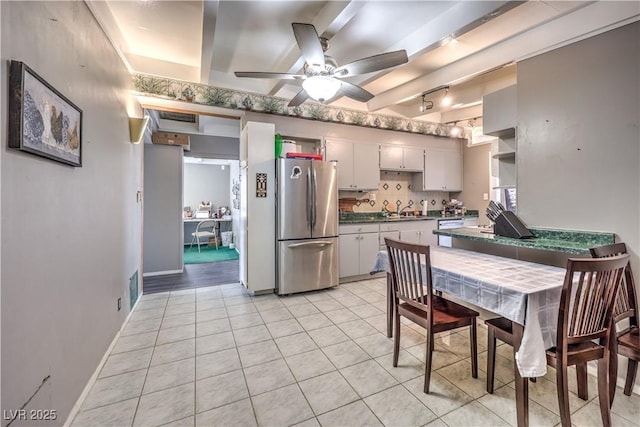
307, 225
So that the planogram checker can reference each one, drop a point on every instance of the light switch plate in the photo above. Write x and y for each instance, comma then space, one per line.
485, 196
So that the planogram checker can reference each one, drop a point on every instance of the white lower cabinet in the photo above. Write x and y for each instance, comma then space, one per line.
358, 249
360, 243
419, 232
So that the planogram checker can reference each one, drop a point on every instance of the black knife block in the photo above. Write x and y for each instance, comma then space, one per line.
507, 224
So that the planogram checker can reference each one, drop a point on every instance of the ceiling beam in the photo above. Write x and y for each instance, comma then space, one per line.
559, 32
452, 23
209, 18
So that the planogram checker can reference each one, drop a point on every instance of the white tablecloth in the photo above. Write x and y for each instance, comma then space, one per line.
523, 292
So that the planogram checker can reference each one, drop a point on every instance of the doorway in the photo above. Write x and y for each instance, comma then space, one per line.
208, 168
207, 213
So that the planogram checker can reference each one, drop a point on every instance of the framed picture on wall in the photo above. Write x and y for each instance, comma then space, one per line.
42, 121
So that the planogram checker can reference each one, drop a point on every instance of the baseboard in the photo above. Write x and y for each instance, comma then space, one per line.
162, 273
85, 392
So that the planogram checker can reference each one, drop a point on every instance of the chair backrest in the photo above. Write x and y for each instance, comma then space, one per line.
410, 273
626, 303
206, 224
586, 302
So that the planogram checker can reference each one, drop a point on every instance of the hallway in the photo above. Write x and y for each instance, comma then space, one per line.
195, 276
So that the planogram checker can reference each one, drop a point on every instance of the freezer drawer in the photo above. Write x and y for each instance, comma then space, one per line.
306, 265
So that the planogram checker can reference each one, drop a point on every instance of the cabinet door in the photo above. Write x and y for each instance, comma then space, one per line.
342, 152
366, 168
413, 159
349, 255
452, 178
433, 170
427, 237
391, 157
395, 235
410, 236
368, 250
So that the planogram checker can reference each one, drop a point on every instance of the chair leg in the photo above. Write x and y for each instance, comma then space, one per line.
581, 376
198, 244
613, 366
491, 359
390, 305
396, 338
603, 390
632, 369
474, 349
563, 395
428, 358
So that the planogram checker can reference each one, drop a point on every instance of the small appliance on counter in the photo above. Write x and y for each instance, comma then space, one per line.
507, 224
204, 210
454, 208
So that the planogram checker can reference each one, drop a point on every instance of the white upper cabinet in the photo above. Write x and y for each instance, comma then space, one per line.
442, 171
402, 158
499, 112
358, 167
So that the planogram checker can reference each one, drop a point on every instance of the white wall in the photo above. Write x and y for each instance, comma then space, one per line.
206, 182
71, 237
476, 179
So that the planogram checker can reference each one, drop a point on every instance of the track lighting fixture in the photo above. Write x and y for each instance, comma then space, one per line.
446, 100
426, 104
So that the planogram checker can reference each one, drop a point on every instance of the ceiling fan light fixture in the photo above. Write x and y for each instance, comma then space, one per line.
321, 88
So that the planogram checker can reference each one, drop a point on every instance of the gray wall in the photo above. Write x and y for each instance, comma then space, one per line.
579, 141
162, 209
214, 147
206, 182
476, 179
578, 137
70, 236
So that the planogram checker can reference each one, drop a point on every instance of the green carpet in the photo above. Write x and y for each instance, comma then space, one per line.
207, 254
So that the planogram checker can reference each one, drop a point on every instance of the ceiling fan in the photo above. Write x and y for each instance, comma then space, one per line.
322, 78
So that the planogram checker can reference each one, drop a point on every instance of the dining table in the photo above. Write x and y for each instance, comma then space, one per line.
526, 293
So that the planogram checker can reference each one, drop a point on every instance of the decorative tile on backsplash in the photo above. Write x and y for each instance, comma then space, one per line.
395, 193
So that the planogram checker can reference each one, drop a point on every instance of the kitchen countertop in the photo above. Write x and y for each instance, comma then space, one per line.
374, 217
567, 241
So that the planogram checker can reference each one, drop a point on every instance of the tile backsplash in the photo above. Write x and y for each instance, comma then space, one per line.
395, 192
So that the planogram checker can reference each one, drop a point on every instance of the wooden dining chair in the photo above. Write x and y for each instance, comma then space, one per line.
627, 342
413, 299
585, 315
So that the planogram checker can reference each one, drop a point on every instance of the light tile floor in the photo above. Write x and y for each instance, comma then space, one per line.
218, 356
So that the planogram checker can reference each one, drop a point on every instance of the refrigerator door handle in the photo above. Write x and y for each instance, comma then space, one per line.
313, 243
314, 202
309, 199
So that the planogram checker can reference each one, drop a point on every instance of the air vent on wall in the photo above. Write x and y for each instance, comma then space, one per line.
178, 117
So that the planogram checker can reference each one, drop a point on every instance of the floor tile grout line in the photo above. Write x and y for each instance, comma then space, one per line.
135, 413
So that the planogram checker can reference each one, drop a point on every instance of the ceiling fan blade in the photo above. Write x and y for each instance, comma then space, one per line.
299, 98
309, 43
354, 92
260, 75
373, 63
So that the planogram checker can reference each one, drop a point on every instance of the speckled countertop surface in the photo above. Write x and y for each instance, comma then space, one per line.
568, 241
375, 217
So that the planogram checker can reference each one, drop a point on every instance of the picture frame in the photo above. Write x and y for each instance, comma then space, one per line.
42, 121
